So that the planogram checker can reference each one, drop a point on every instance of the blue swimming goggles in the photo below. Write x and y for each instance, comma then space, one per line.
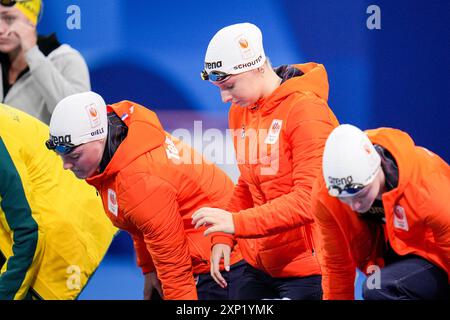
214, 76
62, 148
347, 191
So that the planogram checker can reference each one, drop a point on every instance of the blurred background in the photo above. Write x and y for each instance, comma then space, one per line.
151, 52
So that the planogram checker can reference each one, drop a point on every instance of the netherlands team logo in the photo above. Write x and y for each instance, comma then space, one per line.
245, 48
171, 150
113, 207
93, 115
367, 148
400, 220
274, 132
243, 43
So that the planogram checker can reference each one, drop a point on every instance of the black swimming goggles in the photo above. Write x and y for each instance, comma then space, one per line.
214, 76
10, 3
347, 191
62, 148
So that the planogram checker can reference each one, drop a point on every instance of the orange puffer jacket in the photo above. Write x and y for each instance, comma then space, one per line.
150, 188
279, 144
416, 211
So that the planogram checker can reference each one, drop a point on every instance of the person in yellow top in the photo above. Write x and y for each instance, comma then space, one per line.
53, 232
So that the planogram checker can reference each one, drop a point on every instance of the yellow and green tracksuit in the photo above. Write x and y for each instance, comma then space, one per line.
53, 230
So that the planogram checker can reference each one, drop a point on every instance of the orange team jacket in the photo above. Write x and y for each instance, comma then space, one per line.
417, 217
279, 143
150, 188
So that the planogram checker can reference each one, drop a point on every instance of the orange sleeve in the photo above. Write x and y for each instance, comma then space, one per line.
433, 204
306, 131
241, 198
338, 268
222, 237
144, 259
156, 214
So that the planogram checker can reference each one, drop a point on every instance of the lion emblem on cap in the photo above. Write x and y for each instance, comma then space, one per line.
243, 43
93, 111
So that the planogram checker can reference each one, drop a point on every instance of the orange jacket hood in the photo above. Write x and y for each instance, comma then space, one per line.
401, 146
314, 79
143, 123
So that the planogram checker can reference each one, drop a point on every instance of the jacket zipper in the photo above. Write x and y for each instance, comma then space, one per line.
256, 182
309, 239
252, 166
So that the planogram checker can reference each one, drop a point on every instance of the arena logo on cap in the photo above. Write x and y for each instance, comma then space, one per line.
340, 181
248, 64
61, 139
93, 114
213, 65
